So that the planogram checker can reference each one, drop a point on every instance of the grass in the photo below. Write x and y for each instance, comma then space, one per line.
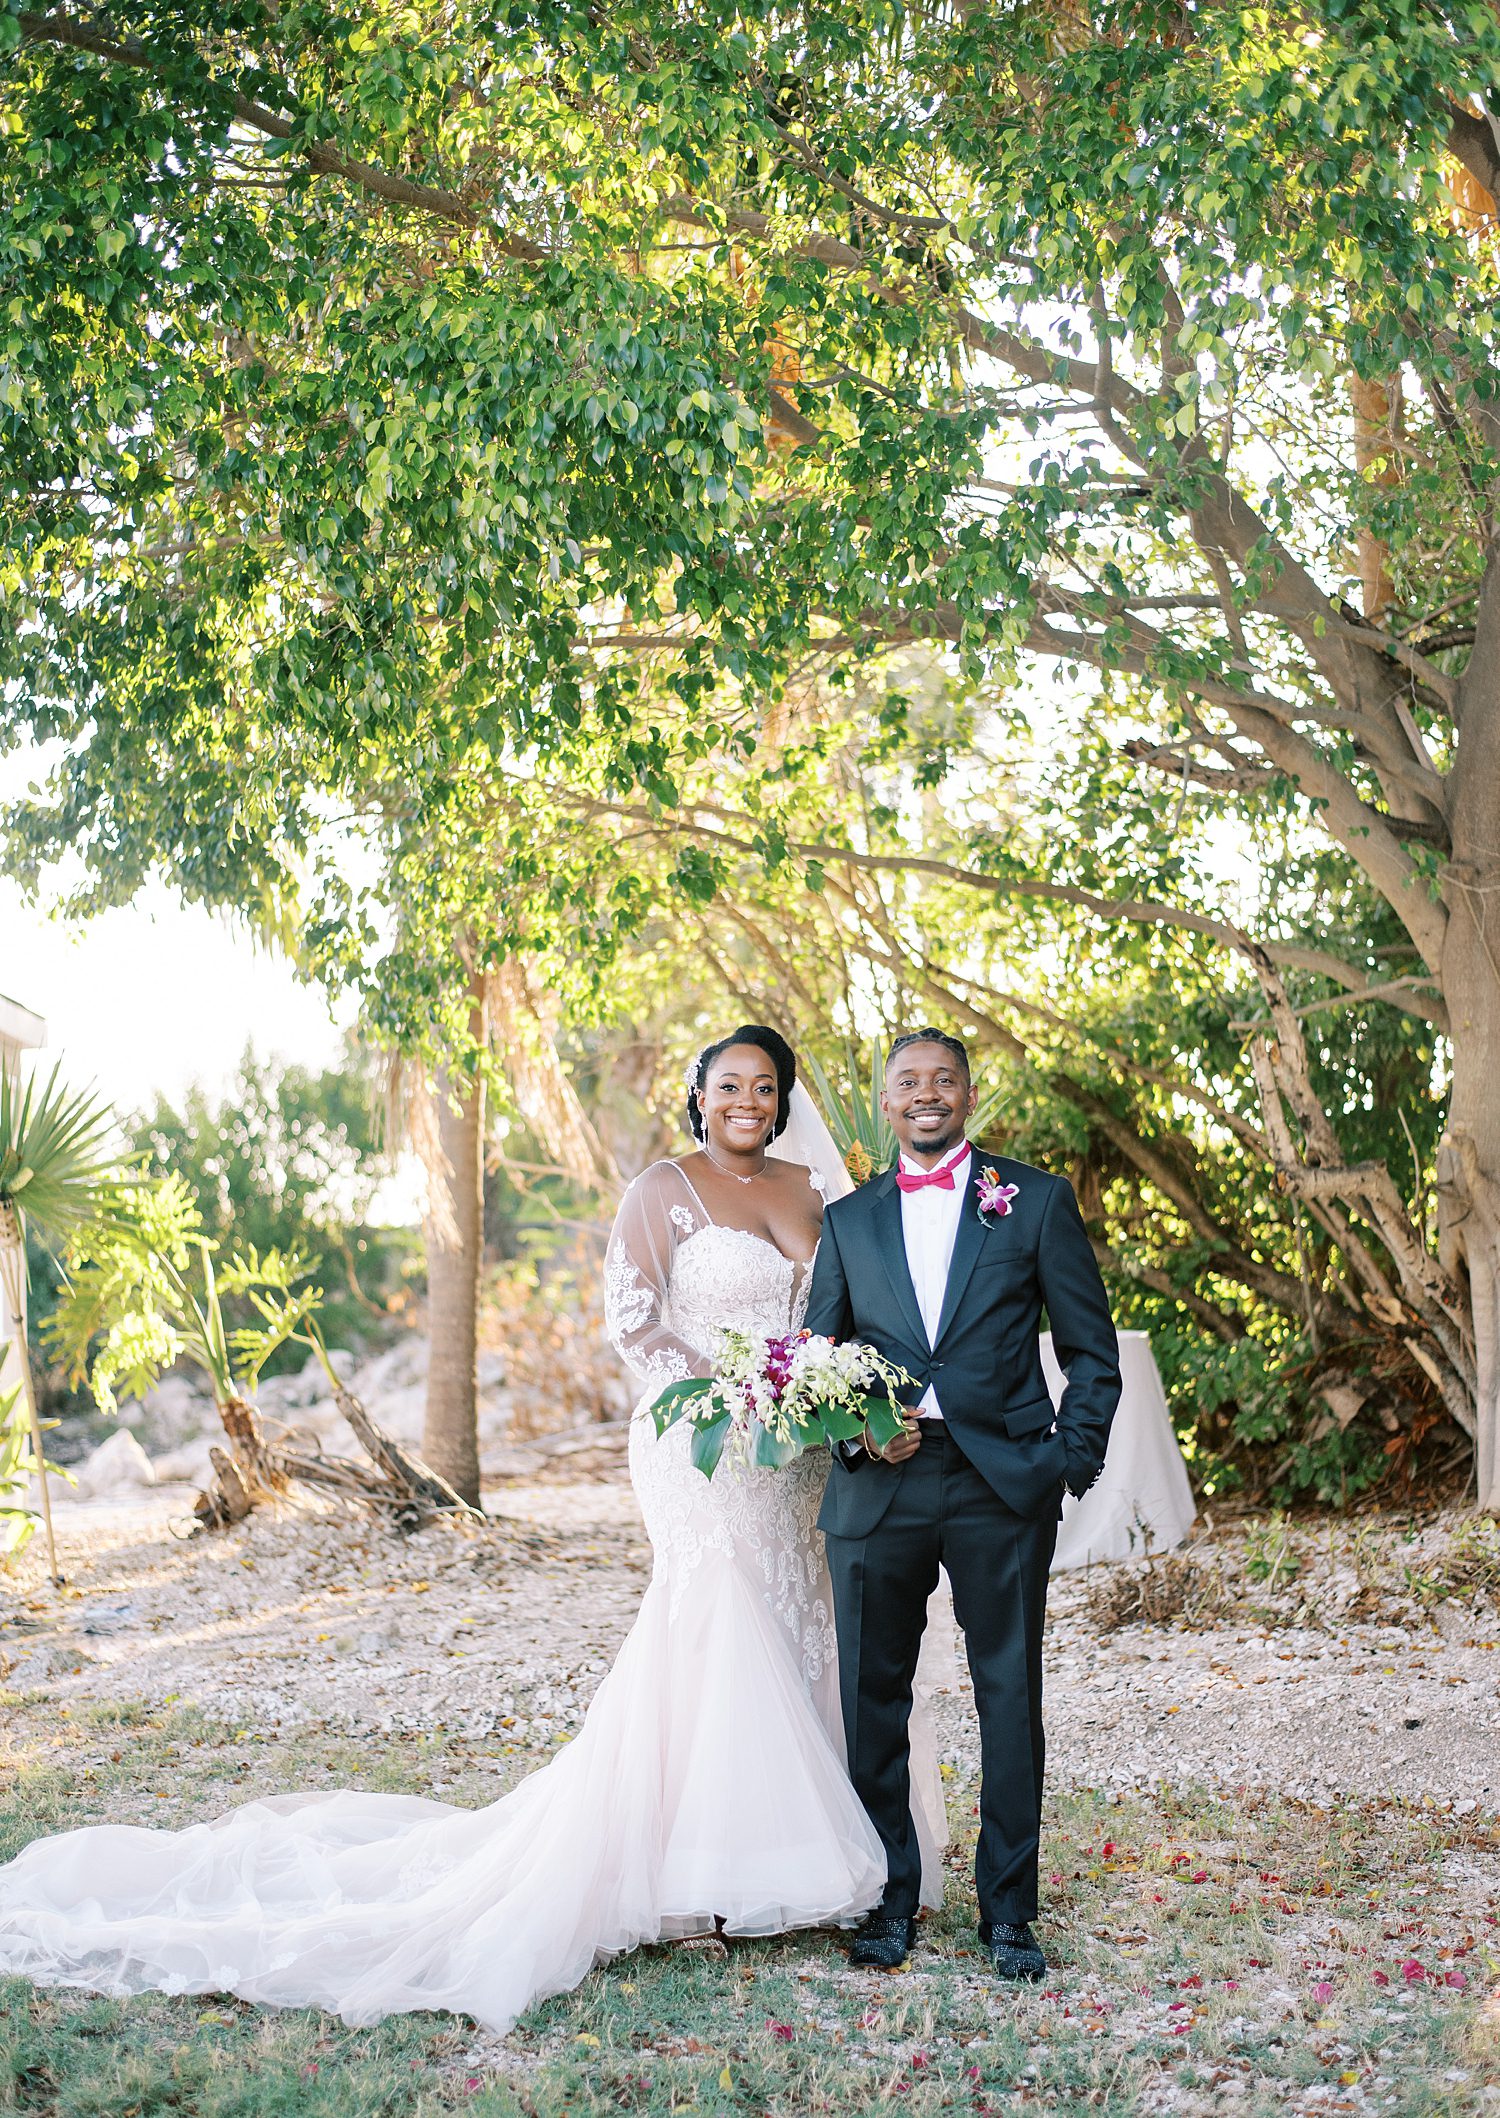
1252, 1956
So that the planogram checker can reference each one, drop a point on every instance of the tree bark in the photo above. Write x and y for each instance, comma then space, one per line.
1468, 1167
454, 1230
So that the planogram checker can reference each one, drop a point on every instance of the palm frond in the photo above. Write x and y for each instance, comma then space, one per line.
57, 1146
989, 1110
852, 1111
860, 1128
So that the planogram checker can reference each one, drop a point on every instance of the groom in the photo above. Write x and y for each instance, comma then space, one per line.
944, 1264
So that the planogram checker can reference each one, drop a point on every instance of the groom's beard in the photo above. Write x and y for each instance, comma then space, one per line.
938, 1143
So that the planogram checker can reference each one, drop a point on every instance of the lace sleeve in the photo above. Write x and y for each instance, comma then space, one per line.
657, 1212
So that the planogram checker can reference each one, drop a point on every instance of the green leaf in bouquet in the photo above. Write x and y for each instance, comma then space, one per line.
885, 1420
675, 1399
839, 1423
770, 1451
708, 1444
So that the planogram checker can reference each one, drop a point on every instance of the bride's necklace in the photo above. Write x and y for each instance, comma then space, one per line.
708, 1151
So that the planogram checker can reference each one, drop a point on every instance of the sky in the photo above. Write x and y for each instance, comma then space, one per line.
145, 999
157, 994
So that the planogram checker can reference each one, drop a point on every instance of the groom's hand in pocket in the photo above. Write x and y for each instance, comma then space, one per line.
905, 1444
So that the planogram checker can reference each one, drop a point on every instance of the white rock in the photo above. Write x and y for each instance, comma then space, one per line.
188, 1465
319, 1418
399, 1411
118, 1465
281, 1394
397, 1368
173, 1413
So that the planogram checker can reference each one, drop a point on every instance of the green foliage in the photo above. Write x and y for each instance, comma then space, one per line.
56, 1171
143, 1292
290, 1160
491, 508
18, 1466
859, 1126
1271, 1555
55, 1148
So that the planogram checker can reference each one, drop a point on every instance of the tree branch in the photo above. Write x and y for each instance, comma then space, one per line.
450, 206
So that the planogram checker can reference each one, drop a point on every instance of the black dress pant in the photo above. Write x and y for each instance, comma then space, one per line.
944, 1512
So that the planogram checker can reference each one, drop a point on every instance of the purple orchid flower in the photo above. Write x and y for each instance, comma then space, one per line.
993, 1196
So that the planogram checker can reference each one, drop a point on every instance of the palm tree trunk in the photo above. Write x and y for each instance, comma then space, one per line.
454, 1231
13, 1273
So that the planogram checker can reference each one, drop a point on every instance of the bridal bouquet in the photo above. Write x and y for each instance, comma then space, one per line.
774, 1397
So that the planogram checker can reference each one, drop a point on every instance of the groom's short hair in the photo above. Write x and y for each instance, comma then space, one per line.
955, 1045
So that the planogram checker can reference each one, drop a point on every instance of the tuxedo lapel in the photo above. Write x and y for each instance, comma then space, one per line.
967, 1244
890, 1242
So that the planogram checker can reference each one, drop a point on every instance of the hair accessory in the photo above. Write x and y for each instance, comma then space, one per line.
694, 1074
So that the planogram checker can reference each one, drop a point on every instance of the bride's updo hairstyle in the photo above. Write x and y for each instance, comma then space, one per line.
776, 1049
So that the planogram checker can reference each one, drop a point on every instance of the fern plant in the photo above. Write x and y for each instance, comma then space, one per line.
144, 1290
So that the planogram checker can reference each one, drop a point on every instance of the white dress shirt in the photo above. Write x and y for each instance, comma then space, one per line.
929, 1223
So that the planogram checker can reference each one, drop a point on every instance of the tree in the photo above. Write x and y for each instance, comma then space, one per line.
56, 1161
455, 1254
1154, 344
1283, 1343
291, 1160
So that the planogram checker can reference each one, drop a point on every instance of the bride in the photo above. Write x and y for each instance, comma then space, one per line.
706, 1786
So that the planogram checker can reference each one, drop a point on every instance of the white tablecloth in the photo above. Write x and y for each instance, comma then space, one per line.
1143, 1500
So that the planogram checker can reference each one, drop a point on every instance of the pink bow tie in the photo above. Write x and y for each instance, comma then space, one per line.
942, 1176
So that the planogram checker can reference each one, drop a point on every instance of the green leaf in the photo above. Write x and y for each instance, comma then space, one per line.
884, 1419
769, 1452
708, 1444
675, 1399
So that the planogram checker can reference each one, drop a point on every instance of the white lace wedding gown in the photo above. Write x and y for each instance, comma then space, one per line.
707, 1780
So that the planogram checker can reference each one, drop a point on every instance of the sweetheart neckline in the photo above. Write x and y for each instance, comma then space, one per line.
728, 1228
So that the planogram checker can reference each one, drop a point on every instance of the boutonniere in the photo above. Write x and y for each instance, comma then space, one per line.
995, 1198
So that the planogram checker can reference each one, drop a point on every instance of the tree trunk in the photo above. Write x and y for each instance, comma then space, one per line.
13, 1278
1468, 1172
455, 1243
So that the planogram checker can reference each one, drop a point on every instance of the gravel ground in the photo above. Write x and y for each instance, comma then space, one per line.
313, 1621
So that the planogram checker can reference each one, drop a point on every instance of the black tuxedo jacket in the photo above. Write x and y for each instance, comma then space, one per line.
986, 1362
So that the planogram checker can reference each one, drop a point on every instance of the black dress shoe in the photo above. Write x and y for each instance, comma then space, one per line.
1013, 1951
882, 1943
